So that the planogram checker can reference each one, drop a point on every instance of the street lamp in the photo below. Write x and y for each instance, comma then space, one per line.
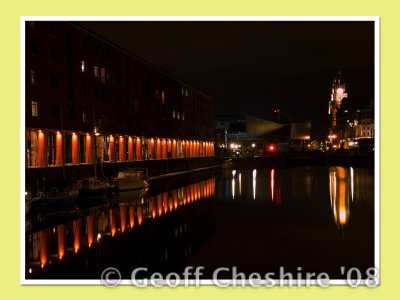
96, 131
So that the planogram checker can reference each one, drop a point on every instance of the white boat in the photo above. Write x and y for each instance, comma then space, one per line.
93, 188
131, 179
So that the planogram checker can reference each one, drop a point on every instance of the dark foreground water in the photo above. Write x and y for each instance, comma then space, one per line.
305, 219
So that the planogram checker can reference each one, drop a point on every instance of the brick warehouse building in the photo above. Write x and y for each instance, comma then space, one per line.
87, 98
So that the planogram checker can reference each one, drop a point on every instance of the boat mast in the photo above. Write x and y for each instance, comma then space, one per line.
96, 134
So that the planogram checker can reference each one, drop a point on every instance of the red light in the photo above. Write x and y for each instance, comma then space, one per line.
271, 147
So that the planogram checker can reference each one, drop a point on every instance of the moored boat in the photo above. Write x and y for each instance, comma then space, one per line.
92, 191
93, 186
28, 202
54, 200
131, 179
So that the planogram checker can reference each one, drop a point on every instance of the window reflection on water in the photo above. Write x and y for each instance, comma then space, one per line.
89, 227
324, 197
339, 185
348, 186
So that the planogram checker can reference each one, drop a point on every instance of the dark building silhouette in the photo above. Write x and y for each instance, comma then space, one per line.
87, 98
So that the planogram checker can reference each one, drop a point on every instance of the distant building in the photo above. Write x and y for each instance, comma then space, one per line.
338, 94
348, 122
87, 98
300, 130
282, 117
354, 124
243, 134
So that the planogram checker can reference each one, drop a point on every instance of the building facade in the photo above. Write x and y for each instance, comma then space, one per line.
349, 122
355, 124
88, 99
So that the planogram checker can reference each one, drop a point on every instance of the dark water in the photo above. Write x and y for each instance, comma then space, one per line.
314, 218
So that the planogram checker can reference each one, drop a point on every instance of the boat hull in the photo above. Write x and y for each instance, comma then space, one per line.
93, 192
131, 196
130, 184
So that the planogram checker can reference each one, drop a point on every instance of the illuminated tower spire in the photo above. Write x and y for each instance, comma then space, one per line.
337, 95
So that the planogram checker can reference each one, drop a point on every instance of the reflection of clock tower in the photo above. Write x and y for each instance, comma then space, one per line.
337, 95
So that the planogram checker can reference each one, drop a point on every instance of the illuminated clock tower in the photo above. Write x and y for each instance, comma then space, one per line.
337, 95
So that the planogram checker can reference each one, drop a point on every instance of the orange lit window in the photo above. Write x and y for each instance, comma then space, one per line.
96, 71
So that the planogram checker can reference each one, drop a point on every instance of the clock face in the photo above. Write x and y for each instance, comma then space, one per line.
339, 91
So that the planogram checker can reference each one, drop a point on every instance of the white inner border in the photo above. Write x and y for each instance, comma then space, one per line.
23, 19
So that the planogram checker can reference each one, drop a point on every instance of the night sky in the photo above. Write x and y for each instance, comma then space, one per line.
254, 67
